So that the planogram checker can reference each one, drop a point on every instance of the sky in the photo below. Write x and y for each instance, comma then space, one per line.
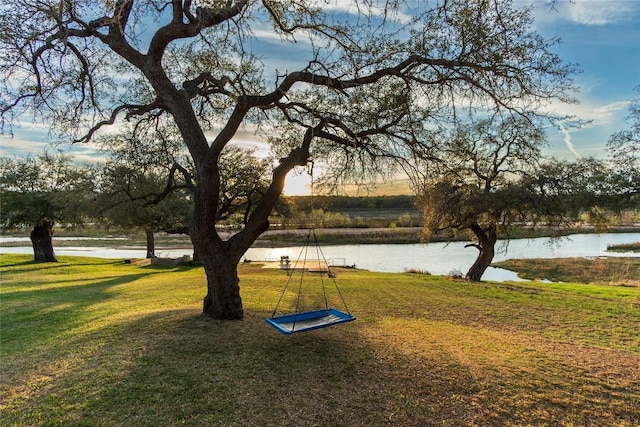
602, 37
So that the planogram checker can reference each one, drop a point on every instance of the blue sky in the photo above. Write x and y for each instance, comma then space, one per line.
601, 36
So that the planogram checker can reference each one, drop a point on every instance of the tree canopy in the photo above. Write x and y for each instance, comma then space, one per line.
139, 187
38, 192
372, 81
475, 182
624, 150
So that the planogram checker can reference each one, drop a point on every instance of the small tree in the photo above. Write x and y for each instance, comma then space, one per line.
42, 191
137, 199
138, 188
475, 183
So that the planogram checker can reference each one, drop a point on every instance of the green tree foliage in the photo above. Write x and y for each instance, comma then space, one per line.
367, 88
341, 203
143, 184
135, 198
41, 191
573, 191
624, 149
245, 180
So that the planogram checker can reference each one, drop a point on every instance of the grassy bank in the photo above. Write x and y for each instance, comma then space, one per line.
626, 247
100, 343
612, 270
400, 235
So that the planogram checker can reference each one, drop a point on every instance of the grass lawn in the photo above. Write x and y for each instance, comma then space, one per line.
96, 342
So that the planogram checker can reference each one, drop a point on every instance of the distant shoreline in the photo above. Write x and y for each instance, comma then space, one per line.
412, 235
286, 237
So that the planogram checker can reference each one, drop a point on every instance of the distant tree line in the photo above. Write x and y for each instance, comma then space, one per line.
340, 203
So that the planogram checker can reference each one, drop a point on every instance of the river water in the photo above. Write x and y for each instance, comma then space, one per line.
435, 258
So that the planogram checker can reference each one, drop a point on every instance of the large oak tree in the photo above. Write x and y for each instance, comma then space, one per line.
362, 84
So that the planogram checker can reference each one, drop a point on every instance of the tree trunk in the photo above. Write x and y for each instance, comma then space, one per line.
486, 247
223, 285
220, 262
42, 242
220, 258
151, 242
197, 258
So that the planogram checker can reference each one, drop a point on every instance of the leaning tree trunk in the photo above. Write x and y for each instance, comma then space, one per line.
151, 242
486, 250
42, 242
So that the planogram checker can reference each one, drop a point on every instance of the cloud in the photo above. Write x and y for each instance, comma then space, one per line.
18, 147
21, 147
613, 107
598, 114
587, 12
601, 120
598, 12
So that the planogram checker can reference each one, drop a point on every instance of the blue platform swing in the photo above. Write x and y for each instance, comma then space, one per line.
304, 321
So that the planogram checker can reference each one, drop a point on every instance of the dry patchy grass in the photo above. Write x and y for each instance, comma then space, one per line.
610, 270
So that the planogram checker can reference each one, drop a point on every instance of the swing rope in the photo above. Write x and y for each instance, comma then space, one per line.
330, 274
338, 317
320, 255
314, 319
290, 274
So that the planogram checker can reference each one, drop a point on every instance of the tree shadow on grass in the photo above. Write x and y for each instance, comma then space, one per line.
32, 266
18, 263
178, 367
195, 370
9, 266
181, 368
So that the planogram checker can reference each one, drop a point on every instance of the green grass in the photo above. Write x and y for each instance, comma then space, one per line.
100, 343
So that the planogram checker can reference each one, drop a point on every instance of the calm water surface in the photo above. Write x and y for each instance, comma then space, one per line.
443, 258
436, 258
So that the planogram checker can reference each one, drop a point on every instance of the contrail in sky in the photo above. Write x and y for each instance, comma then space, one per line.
567, 140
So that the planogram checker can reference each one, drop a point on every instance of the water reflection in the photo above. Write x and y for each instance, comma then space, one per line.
436, 258
445, 258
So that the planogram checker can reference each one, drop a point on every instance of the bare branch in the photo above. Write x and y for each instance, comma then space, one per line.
132, 110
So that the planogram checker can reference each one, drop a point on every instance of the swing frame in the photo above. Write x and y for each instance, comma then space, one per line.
305, 321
